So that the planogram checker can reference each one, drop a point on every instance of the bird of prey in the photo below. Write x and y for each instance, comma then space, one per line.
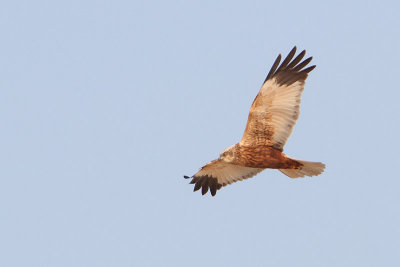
272, 116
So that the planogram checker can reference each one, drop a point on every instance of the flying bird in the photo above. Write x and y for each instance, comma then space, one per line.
272, 116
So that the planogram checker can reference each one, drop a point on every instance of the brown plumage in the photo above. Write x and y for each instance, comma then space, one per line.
272, 116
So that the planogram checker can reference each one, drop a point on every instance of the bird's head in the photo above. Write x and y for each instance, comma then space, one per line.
228, 154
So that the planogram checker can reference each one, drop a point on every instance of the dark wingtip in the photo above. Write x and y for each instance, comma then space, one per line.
186, 177
204, 186
302, 64
293, 51
287, 60
274, 67
194, 180
297, 59
205, 183
307, 70
197, 186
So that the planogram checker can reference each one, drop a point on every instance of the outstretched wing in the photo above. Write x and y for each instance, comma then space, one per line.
218, 173
275, 109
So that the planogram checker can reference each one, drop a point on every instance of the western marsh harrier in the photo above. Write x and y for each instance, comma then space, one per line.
272, 116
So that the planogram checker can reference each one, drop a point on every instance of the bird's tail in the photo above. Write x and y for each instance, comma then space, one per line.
307, 168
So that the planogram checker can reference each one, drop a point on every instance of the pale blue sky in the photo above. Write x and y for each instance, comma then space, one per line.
104, 105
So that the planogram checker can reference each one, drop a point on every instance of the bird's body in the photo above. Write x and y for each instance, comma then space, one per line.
259, 157
272, 117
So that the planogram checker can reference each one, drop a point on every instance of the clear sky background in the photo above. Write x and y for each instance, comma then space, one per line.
104, 105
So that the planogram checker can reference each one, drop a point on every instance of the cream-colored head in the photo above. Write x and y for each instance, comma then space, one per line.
228, 154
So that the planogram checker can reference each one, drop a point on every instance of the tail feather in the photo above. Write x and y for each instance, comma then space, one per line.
308, 168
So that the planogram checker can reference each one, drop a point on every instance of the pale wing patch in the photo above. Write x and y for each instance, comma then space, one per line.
284, 109
227, 173
218, 173
273, 114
